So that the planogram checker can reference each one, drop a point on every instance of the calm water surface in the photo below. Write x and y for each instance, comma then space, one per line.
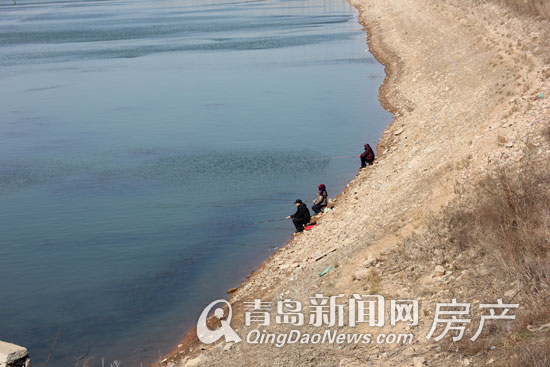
145, 147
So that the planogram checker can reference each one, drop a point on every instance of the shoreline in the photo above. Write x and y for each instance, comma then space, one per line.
390, 62
381, 54
454, 120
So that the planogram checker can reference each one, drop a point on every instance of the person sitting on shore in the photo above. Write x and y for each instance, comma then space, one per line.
301, 217
367, 157
321, 201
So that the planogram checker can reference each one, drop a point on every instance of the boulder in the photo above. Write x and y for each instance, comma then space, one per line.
13, 355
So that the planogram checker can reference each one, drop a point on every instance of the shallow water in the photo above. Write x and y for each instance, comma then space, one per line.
146, 148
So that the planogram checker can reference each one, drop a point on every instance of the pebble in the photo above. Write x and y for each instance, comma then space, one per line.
361, 274
438, 271
349, 362
419, 361
195, 362
371, 261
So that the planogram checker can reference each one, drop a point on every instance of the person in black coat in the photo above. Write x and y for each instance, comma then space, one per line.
301, 216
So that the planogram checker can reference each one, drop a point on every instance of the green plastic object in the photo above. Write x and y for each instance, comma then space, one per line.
540, 96
325, 271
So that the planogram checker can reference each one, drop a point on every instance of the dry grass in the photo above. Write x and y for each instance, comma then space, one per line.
499, 225
539, 43
532, 353
538, 8
512, 221
506, 215
374, 282
546, 132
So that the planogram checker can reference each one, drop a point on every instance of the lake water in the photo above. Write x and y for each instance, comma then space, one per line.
146, 147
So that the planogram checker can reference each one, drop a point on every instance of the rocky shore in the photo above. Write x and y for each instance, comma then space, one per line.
468, 83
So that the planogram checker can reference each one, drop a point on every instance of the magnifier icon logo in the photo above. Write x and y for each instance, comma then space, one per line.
208, 336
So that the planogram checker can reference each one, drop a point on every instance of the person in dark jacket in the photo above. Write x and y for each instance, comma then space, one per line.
367, 157
321, 201
301, 216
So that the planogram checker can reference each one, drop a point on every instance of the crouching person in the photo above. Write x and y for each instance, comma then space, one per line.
301, 217
321, 201
367, 157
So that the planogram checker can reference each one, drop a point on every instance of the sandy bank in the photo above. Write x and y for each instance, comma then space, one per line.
462, 82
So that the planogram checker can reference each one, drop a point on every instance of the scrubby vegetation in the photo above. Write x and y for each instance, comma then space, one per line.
495, 236
539, 8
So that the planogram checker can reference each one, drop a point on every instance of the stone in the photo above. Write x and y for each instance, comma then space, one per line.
419, 361
399, 131
349, 362
439, 255
465, 362
438, 271
361, 274
509, 293
13, 355
371, 261
227, 347
195, 362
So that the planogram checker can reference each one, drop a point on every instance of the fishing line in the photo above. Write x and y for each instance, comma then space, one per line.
335, 157
264, 221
